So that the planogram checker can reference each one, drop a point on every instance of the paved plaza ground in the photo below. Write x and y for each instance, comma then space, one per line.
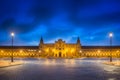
61, 69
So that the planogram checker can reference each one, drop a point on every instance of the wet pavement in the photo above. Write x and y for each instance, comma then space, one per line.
61, 69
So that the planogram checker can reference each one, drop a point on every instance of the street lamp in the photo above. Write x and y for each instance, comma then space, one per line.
12, 35
111, 35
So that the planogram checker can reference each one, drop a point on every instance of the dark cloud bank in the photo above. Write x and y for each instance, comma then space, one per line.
91, 20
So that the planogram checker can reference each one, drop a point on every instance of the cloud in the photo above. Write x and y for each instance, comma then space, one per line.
54, 19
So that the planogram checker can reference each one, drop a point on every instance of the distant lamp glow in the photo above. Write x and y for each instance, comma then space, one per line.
21, 51
1, 51
80, 51
117, 51
12, 34
110, 34
39, 51
98, 51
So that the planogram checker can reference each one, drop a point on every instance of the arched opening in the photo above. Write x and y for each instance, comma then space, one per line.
60, 54
55, 55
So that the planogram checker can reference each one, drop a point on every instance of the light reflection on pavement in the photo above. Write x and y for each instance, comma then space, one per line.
61, 69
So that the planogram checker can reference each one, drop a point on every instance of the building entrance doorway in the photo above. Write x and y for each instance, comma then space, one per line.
60, 54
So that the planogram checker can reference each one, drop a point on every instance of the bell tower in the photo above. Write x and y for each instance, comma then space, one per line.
78, 40
41, 41
41, 44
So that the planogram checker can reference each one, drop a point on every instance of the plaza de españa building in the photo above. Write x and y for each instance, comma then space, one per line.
59, 49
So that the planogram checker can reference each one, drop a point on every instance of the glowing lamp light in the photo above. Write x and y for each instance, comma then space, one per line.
80, 51
98, 51
21, 51
110, 34
1, 51
117, 51
12, 34
39, 51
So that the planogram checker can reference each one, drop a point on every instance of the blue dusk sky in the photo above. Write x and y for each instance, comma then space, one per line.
91, 20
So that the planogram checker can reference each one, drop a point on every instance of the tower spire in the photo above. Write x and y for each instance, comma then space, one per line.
78, 40
41, 41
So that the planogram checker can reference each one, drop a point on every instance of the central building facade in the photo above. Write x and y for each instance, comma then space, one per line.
60, 49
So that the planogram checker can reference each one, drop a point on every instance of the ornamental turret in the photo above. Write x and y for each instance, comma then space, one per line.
41, 41
78, 40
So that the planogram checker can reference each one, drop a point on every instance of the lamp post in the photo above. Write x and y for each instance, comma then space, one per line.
12, 35
110, 35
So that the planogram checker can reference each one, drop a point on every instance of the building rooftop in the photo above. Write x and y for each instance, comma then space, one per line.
19, 47
100, 47
37, 47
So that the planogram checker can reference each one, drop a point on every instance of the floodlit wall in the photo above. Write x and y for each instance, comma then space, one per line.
100, 52
71, 52
60, 49
19, 52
